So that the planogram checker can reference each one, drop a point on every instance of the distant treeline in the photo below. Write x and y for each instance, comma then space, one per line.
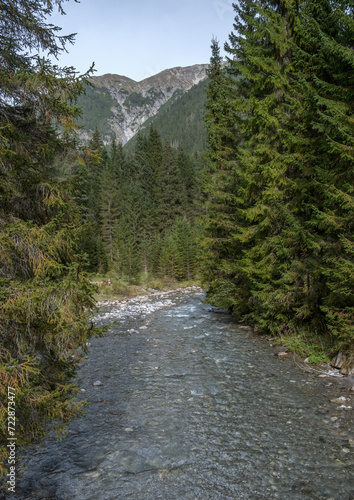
138, 211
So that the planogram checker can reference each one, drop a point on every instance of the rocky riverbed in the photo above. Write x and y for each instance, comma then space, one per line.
187, 404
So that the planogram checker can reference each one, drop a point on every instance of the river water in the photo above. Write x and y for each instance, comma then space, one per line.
193, 406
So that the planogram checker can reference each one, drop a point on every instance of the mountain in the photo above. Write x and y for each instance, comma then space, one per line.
119, 106
180, 121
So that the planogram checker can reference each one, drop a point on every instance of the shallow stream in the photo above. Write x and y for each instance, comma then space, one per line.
193, 406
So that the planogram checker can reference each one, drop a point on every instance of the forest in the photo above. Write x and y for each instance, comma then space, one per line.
263, 217
278, 187
139, 212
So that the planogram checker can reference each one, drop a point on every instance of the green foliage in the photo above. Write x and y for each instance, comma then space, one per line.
96, 105
45, 297
178, 252
314, 348
135, 100
228, 286
278, 224
142, 208
180, 121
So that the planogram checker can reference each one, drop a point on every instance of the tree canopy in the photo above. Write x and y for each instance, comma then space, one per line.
45, 298
285, 260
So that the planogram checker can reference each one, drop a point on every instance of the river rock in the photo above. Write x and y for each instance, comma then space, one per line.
282, 354
149, 423
97, 383
339, 400
344, 362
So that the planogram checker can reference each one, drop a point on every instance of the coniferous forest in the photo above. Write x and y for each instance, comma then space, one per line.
139, 211
264, 217
278, 188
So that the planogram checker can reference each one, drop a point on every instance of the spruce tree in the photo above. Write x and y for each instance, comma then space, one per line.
266, 105
326, 51
109, 210
218, 216
45, 298
292, 95
117, 162
128, 233
188, 175
154, 158
172, 195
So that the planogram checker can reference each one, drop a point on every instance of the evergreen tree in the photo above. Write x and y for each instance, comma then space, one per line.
137, 208
326, 52
188, 175
171, 197
185, 237
117, 162
219, 217
45, 297
154, 159
109, 211
292, 98
96, 161
142, 166
128, 234
265, 104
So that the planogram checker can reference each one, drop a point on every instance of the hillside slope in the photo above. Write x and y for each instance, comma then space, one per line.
180, 121
119, 106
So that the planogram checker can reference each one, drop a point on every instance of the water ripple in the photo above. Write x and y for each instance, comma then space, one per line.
192, 406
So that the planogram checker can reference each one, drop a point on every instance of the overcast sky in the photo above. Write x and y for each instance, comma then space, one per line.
139, 38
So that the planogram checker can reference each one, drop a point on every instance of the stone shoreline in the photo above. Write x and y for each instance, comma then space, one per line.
170, 358
128, 304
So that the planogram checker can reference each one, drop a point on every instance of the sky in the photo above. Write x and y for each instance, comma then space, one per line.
140, 38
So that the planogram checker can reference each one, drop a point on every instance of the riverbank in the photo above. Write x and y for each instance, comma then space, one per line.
123, 291
311, 356
186, 403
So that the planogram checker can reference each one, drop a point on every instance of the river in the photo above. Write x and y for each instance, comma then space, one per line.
190, 405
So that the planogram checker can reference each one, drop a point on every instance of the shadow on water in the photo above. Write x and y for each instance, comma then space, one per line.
191, 406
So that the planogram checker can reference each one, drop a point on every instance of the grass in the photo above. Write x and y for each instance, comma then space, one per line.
316, 350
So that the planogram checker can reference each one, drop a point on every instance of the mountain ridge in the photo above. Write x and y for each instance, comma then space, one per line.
121, 105
158, 76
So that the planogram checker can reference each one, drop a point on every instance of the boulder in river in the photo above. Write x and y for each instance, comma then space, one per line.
344, 362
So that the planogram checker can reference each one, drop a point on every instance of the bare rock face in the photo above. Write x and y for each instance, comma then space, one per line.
344, 362
138, 101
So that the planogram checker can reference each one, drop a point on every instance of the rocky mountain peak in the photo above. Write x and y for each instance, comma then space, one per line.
132, 103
